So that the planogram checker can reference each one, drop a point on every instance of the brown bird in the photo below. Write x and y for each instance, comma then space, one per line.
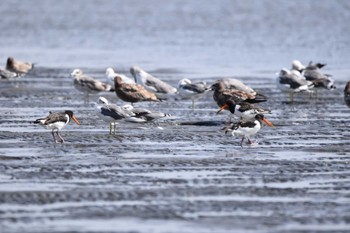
19, 67
222, 95
87, 84
132, 92
347, 94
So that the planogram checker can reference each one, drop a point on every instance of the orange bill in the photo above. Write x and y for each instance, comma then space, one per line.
267, 122
225, 106
75, 120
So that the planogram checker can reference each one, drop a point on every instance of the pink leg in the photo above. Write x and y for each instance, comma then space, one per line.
53, 135
58, 133
242, 142
249, 141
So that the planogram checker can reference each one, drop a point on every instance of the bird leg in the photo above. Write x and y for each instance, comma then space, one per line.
250, 141
59, 135
110, 128
53, 135
242, 142
114, 127
192, 104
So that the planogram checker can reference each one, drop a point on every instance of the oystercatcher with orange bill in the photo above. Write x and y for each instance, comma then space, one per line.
247, 129
56, 121
245, 111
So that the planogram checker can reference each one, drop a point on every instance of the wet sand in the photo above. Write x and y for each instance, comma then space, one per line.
183, 173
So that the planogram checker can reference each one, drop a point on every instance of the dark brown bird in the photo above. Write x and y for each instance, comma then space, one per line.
222, 95
347, 94
19, 67
132, 92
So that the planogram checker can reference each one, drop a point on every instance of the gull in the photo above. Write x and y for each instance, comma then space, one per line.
110, 74
312, 73
132, 92
150, 82
5, 74
143, 115
87, 84
193, 91
19, 67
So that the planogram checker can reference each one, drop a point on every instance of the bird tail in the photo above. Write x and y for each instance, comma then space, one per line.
260, 98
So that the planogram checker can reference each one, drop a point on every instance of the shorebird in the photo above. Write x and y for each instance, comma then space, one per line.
293, 82
247, 129
150, 82
88, 85
132, 92
6, 74
347, 94
312, 73
111, 113
245, 111
56, 121
193, 91
298, 66
221, 95
19, 67
110, 74
143, 114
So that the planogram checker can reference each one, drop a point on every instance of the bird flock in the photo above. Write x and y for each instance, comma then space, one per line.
228, 93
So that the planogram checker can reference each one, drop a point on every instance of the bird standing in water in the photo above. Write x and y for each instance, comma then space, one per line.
56, 121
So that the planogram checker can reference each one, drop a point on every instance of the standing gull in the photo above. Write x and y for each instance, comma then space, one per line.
88, 85
111, 113
193, 91
312, 73
56, 121
110, 74
132, 92
150, 82
293, 82
19, 67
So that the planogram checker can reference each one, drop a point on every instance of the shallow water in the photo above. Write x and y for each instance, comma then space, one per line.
183, 173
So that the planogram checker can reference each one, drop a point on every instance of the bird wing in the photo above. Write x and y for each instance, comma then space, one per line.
91, 84
137, 91
54, 117
114, 111
195, 87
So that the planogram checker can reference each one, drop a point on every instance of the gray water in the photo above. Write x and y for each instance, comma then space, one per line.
183, 174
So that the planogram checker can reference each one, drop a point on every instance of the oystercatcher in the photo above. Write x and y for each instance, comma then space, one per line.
56, 121
247, 129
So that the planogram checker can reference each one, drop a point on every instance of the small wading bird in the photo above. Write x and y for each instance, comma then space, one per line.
221, 95
19, 67
56, 121
193, 91
347, 94
150, 82
247, 129
112, 113
245, 111
132, 92
88, 85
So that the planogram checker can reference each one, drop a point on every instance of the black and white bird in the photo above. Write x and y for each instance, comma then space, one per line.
245, 111
111, 113
110, 75
247, 129
312, 73
87, 84
143, 115
19, 67
193, 91
347, 94
56, 121
293, 82
151, 83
